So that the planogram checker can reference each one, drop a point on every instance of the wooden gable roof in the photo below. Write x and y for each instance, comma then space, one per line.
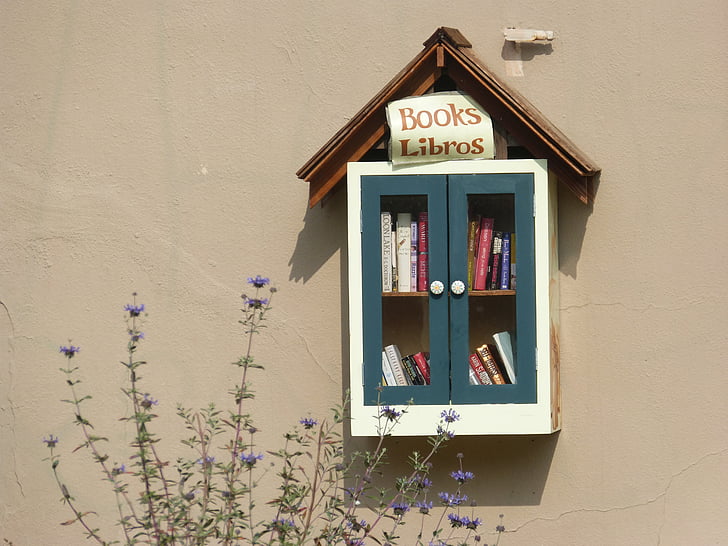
446, 54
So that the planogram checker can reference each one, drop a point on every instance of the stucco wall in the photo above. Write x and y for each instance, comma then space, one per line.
152, 147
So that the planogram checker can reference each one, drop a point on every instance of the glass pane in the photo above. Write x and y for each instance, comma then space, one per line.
405, 302
491, 283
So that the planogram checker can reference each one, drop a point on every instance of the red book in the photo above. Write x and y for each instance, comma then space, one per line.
479, 370
422, 267
483, 256
422, 364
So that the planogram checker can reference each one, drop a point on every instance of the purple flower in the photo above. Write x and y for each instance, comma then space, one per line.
147, 402
134, 310
308, 422
258, 281
250, 459
424, 506
461, 477
455, 520
255, 303
69, 351
450, 415
118, 470
136, 336
390, 413
444, 432
424, 483
207, 461
399, 508
352, 523
473, 523
283, 524
51, 441
449, 499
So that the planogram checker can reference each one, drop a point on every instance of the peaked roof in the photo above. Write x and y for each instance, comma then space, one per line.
446, 53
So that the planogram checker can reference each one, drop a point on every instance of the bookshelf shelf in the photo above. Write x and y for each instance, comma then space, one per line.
425, 334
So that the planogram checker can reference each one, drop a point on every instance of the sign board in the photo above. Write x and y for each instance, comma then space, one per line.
438, 127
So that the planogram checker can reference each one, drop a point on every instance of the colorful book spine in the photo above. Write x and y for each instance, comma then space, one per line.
395, 361
513, 261
505, 272
404, 250
480, 372
473, 233
485, 239
486, 357
495, 261
386, 226
387, 370
421, 360
413, 256
422, 252
411, 370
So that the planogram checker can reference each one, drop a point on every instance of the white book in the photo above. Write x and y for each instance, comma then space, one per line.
505, 348
386, 224
472, 377
404, 249
387, 370
395, 361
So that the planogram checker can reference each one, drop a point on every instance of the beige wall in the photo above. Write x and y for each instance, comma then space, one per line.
152, 146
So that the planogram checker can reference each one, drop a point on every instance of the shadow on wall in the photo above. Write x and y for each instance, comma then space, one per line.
573, 217
509, 470
323, 233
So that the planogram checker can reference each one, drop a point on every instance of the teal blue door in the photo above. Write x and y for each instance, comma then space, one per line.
448, 326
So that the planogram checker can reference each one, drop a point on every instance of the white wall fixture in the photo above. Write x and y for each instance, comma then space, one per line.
528, 35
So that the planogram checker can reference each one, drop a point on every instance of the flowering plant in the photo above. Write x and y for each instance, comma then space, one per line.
323, 495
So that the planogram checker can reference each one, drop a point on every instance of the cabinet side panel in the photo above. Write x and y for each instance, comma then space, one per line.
554, 304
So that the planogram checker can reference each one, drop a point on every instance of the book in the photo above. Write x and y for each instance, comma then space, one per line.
481, 375
472, 378
387, 370
504, 345
485, 238
422, 361
386, 226
395, 361
486, 357
412, 371
422, 252
505, 272
513, 261
473, 233
494, 268
404, 249
413, 255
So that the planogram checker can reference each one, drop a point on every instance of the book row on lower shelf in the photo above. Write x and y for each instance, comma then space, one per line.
489, 364
404, 240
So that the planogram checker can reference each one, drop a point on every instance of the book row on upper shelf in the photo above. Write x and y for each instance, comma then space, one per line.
489, 364
404, 244
491, 255
404, 252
